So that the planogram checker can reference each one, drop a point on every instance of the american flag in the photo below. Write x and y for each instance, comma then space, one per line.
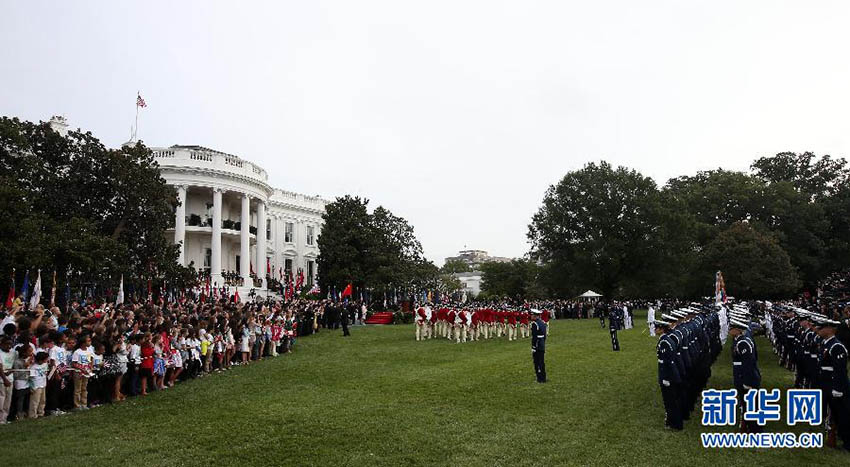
139, 101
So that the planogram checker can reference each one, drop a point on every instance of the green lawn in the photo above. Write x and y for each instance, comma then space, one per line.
380, 398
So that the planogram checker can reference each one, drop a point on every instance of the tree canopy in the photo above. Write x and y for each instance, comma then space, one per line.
69, 203
600, 225
615, 230
516, 279
378, 250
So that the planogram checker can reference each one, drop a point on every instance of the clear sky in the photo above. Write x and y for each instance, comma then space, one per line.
456, 114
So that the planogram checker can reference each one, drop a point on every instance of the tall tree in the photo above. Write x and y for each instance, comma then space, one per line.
516, 279
815, 176
602, 223
754, 265
377, 250
716, 199
345, 242
95, 211
809, 225
454, 266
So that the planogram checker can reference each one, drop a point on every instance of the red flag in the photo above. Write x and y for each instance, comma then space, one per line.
268, 267
346, 292
236, 296
300, 280
10, 299
290, 289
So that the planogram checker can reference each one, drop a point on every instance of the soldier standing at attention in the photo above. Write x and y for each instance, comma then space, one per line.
745, 371
600, 310
538, 346
613, 325
669, 377
342, 315
834, 383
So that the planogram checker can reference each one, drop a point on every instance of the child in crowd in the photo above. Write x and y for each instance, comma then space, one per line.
81, 361
38, 384
276, 330
134, 359
92, 354
57, 360
7, 376
246, 341
176, 359
147, 362
22, 381
158, 363
98, 384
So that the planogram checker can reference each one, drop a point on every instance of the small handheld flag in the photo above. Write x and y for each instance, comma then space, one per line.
25, 290
36, 292
53, 290
120, 299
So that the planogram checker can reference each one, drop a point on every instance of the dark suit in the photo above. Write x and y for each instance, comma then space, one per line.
538, 348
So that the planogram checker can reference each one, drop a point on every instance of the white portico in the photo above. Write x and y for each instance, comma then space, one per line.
220, 194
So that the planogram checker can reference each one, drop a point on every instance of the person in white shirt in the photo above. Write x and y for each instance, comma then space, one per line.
82, 362
133, 360
38, 384
7, 361
21, 367
650, 319
429, 330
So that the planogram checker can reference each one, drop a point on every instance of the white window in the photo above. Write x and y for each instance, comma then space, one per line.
268, 228
309, 234
287, 236
207, 259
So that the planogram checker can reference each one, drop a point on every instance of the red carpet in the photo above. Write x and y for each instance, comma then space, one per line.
384, 317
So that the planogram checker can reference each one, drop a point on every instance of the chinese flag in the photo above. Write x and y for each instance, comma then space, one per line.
346, 292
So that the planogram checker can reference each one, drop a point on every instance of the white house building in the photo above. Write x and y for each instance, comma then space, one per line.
220, 194
471, 282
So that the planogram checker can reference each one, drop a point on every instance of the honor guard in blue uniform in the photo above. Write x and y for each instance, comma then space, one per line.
833, 381
538, 345
669, 378
745, 370
689, 345
613, 325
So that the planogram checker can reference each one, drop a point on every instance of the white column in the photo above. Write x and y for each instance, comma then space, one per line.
245, 241
215, 263
261, 241
277, 245
180, 224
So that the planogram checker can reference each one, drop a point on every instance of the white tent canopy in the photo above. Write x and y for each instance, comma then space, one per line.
590, 294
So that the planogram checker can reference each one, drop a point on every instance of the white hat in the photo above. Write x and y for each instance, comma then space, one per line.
738, 323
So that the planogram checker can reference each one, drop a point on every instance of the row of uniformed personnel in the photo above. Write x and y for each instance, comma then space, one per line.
689, 344
806, 343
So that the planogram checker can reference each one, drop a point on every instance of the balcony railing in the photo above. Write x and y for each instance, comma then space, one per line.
199, 156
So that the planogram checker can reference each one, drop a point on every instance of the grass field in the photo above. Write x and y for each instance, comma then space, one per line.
380, 398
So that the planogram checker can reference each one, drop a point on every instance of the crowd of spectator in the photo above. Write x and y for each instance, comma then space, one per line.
53, 361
